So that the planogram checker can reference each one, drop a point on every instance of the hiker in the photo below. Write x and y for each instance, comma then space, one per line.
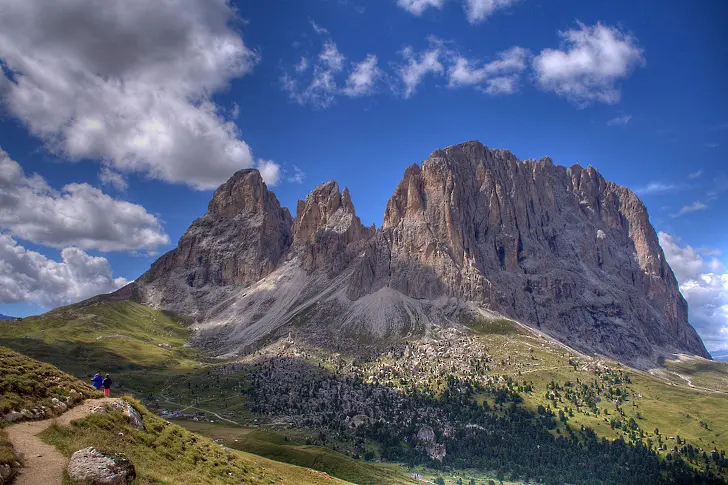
97, 380
107, 386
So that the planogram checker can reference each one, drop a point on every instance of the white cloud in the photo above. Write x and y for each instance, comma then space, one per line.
619, 120
77, 215
318, 29
695, 175
129, 83
331, 57
594, 60
270, 171
656, 188
28, 276
497, 77
115, 179
362, 79
712, 145
417, 7
302, 65
694, 207
418, 65
321, 90
704, 284
297, 176
479, 10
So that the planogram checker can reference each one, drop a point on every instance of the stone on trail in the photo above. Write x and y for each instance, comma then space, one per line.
91, 466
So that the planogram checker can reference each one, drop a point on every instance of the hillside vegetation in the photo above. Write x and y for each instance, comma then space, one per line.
497, 375
164, 453
141, 347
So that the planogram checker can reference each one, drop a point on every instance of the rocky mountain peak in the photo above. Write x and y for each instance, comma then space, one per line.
242, 238
244, 193
560, 249
325, 225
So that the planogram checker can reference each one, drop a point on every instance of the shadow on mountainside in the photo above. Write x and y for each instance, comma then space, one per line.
413, 425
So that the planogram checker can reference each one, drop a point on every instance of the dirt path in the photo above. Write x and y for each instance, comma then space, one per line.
43, 463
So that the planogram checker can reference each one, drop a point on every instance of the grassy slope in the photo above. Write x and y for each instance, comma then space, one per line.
666, 404
164, 453
276, 447
123, 338
26, 384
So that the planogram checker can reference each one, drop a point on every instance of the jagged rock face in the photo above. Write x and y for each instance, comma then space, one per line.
242, 238
471, 229
561, 249
326, 229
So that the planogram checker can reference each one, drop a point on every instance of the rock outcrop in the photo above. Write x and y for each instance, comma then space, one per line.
242, 238
560, 249
327, 231
135, 418
93, 467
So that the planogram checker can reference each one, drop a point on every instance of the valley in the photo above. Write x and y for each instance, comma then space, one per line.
349, 415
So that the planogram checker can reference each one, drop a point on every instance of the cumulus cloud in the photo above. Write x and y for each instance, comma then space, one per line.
619, 120
694, 207
593, 61
76, 215
417, 7
270, 171
129, 82
362, 79
28, 276
695, 175
108, 177
500, 76
418, 65
479, 10
704, 284
476, 10
321, 89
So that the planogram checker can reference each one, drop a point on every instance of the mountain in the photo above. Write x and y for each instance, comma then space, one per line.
470, 233
5, 317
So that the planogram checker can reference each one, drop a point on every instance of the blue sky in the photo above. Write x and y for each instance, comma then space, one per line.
117, 121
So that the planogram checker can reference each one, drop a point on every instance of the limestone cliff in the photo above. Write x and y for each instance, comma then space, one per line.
474, 229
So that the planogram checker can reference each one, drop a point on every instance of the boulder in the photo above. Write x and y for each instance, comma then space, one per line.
93, 467
134, 416
13, 416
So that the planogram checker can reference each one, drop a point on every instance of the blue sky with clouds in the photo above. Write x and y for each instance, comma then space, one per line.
118, 119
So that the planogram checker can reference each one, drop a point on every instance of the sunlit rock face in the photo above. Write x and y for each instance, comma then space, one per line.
560, 249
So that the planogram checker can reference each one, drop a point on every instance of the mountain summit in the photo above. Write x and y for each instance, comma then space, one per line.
472, 232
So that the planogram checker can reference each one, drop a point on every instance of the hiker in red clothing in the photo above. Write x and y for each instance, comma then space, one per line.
107, 386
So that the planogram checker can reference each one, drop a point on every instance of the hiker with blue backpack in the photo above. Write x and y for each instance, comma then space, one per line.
98, 380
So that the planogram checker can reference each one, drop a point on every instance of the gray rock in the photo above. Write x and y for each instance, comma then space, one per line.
13, 416
135, 418
560, 249
91, 466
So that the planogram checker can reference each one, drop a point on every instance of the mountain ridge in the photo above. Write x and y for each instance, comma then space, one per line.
470, 231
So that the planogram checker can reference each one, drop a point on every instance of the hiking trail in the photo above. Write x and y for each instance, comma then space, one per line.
43, 463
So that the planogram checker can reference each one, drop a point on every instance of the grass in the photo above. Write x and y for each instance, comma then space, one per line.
140, 347
661, 401
27, 383
279, 447
144, 350
497, 326
165, 453
275, 446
